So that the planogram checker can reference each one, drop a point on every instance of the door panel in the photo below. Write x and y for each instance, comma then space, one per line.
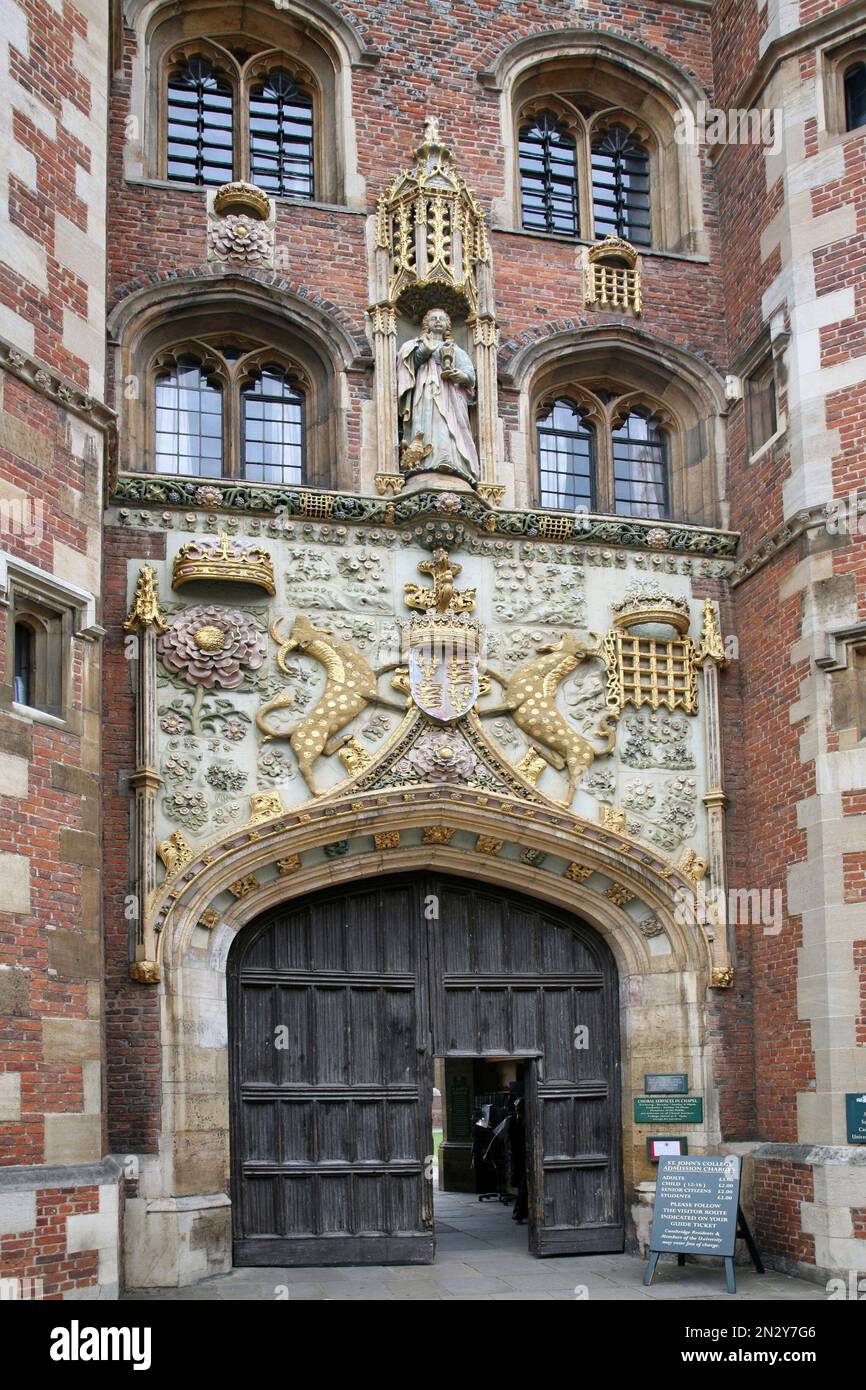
513, 978
330, 1133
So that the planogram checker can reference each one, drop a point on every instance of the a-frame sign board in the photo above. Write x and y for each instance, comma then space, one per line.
697, 1212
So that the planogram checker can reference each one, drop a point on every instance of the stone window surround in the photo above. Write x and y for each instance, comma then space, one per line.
638, 370
766, 351
628, 77
23, 586
583, 130
231, 307
835, 62
309, 34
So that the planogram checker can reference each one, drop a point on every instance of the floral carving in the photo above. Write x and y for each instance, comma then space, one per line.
240, 239
225, 777
438, 757
212, 646
190, 808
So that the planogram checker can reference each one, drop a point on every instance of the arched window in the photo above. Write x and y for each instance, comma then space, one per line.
601, 448
621, 186
188, 428
228, 409
566, 458
548, 176
25, 646
272, 431
281, 135
640, 467
855, 96
199, 123
584, 171
235, 114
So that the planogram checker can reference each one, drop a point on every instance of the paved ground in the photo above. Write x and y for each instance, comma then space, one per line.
482, 1254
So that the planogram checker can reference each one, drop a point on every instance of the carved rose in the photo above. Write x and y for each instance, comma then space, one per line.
212, 646
440, 758
239, 238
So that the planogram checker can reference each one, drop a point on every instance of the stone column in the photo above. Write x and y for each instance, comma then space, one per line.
383, 318
145, 621
711, 656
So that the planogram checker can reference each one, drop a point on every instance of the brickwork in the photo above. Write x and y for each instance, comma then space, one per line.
780, 1188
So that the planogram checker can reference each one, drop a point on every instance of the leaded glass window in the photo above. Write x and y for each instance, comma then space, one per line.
273, 428
281, 136
188, 424
640, 467
548, 176
199, 124
566, 449
621, 186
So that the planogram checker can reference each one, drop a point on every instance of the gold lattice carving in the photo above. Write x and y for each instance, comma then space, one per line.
555, 528
650, 671
613, 276
316, 505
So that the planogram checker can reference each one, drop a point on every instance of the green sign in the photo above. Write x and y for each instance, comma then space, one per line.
668, 1110
855, 1107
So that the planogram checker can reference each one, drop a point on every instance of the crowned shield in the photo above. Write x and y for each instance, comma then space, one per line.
443, 673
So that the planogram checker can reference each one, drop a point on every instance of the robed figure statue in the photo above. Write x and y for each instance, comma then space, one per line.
435, 384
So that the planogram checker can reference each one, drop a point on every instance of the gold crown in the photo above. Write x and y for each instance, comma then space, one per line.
226, 560
240, 197
445, 630
649, 603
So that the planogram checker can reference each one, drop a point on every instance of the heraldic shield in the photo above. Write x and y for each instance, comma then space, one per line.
443, 668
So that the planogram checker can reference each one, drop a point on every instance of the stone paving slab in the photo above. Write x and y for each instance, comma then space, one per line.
483, 1255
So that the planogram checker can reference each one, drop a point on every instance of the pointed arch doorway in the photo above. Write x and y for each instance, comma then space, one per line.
338, 1004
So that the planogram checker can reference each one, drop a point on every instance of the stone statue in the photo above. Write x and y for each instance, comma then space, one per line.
435, 382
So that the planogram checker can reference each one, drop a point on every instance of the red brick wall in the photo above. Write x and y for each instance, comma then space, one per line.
132, 1010
764, 818
41, 1254
780, 1188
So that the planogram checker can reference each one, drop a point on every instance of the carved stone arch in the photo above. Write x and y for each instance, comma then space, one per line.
157, 316
631, 361
204, 907
620, 72
311, 33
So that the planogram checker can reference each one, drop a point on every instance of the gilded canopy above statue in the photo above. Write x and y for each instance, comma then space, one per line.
435, 233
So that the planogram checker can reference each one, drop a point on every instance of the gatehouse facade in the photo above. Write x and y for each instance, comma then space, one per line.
432, 624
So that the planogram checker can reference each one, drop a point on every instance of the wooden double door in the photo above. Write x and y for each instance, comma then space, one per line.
337, 1006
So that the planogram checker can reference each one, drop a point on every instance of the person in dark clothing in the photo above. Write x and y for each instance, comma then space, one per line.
517, 1136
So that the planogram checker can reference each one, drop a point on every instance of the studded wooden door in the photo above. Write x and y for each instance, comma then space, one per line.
332, 1082
338, 1005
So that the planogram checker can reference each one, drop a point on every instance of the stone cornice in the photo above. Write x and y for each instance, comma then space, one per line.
446, 515
807, 519
56, 388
